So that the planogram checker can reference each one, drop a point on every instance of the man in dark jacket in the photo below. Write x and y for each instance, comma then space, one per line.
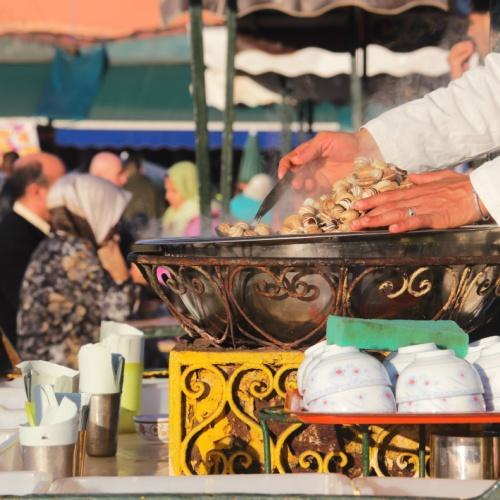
22, 229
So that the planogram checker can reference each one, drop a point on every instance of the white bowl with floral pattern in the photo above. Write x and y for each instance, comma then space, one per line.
152, 427
437, 374
341, 369
369, 399
455, 404
397, 361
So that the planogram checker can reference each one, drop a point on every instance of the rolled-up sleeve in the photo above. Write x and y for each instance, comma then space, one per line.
447, 126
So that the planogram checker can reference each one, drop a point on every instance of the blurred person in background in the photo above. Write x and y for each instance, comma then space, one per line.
244, 206
6, 169
182, 217
23, 228
143, 213
478, 41
77, 277
108, 166
7, 166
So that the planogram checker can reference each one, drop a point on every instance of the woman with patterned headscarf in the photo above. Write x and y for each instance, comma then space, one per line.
77, 276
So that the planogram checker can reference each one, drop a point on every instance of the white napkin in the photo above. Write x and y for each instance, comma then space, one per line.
123, 339
96, 370
42, 372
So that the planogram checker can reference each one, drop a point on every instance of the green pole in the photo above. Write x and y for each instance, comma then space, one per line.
356, 93
200, 111
286, 118
226, 179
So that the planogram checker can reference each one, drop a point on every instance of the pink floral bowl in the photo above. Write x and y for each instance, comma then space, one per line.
340, 369
397, 361
456, 404
370, 399
437, 374
152, 427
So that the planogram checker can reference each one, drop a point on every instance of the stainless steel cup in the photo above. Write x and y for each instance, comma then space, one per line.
57, 460
102, 426
462, 457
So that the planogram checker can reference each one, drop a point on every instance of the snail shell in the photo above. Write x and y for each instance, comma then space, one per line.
385, 185
379, 164
312, 229
224, 229
307, 210
236, 231
250, 232
361, 161
344, 228
293, 222
368, 192
348, 216
242, 225
356, 191
263, 230
289, 231
366, 176
342, 185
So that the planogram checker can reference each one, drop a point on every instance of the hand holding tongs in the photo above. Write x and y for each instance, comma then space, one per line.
274, 195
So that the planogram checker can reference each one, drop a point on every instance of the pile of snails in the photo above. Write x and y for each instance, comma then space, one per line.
334, 212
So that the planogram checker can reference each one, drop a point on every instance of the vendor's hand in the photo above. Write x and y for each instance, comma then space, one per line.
439, 200
458, 58
112, 260
326, 158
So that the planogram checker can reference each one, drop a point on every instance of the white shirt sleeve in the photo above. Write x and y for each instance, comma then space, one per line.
449, 126
486, 182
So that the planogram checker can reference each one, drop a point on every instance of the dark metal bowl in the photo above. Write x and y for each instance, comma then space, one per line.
280, 290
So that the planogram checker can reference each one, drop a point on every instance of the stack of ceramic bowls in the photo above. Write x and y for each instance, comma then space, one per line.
488, 367
397, 361
476, 347
310, 355
345, 380
439, 382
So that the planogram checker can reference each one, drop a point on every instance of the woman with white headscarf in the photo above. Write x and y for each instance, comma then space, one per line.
77, 276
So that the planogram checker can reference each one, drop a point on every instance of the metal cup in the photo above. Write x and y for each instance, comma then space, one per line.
57, 460
462, 457
102, 426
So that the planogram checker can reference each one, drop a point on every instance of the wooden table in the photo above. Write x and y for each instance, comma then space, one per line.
135, 457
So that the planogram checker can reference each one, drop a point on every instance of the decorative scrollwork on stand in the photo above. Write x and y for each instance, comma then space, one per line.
409, 285
292, 299
282, 287
287, 306
196, 297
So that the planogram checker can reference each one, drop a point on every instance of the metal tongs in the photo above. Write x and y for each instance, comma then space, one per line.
274, 196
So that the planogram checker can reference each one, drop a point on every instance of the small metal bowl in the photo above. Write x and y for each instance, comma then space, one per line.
278, 291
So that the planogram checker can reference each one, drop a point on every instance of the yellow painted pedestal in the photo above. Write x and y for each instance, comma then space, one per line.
213, 428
